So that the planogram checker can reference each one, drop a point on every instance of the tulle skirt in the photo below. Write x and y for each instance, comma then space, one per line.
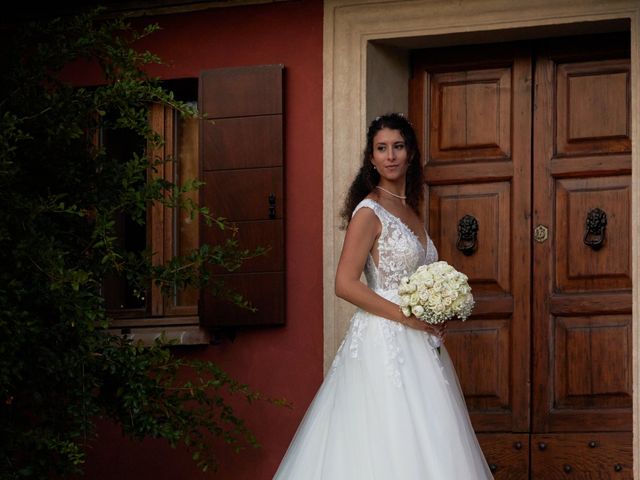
390, 408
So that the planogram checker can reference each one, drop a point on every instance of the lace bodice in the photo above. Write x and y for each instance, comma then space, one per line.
400, 252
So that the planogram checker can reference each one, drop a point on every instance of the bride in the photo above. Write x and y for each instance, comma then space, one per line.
390, 407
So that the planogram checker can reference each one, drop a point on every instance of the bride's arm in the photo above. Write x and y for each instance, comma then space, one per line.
361, 235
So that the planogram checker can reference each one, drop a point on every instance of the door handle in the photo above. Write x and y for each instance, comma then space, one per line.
272, 206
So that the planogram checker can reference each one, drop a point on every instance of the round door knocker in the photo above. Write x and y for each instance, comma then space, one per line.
595, 227
467, 235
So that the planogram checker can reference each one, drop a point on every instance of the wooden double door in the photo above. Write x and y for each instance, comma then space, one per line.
527, 152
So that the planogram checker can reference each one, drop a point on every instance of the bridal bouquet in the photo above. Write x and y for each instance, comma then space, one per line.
436, 293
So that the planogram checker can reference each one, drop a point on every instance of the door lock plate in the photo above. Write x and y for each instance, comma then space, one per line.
541, 233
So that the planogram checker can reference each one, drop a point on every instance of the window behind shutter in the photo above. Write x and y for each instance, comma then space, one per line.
243, 171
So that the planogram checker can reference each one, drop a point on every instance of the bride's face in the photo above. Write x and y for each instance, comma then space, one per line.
390, 154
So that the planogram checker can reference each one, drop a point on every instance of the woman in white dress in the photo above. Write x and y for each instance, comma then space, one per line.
390, 407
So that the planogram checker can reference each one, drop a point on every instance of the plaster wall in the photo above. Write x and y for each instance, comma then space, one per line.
276, 361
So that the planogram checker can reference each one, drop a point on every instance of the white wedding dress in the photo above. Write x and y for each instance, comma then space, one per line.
390, 408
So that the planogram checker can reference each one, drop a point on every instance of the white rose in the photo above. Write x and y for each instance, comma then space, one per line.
434, 300
458, 303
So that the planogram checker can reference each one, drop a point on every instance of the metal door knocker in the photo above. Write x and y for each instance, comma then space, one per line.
467, 235
595, 225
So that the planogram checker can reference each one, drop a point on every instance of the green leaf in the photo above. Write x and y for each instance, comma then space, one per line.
63, 201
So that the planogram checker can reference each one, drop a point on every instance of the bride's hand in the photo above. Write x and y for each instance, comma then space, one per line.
438, 330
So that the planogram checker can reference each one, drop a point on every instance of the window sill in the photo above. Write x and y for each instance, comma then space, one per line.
178, 330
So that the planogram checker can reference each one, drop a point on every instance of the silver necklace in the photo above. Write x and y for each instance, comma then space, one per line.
401, 197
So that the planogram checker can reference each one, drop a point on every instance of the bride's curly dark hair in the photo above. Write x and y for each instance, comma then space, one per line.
367, 177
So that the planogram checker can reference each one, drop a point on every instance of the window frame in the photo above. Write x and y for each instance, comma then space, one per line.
162, 316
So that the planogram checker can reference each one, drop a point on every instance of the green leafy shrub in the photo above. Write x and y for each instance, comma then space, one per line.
59, 195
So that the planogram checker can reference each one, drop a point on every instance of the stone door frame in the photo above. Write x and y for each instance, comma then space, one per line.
366, 71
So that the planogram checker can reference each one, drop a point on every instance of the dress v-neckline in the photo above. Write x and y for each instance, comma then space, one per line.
407, 227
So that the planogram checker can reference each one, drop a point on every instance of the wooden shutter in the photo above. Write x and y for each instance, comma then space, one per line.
243, 170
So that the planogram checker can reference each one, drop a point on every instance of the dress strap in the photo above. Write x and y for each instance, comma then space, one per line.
368, 203
383, 216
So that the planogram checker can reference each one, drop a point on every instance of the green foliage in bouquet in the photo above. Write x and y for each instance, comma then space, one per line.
59, 196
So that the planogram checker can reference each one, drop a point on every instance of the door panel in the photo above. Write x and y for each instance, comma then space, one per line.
470, 115
583, 357
489, 340
582, 351
490, 205
578, 267
593, 107
582, 455
539, 178
475, 121
507, 454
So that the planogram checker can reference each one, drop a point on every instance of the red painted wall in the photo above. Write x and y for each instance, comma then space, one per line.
283, 361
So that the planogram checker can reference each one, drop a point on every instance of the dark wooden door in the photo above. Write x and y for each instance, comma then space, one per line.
528, 139
582, 277
473, 110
